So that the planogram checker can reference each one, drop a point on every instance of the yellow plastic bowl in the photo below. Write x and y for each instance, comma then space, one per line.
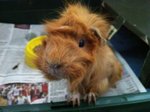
30, 55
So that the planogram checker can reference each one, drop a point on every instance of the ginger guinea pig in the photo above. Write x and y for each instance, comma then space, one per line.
75, 49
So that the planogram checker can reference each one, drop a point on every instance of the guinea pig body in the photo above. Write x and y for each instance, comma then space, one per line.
75, 49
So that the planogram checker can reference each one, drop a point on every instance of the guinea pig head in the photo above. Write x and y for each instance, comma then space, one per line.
68, 52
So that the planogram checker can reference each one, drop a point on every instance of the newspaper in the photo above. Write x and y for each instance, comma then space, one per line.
20, 84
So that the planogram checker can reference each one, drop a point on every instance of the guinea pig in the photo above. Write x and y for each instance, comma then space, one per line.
76, 49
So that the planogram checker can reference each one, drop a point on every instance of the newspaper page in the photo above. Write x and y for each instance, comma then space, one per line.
20, 84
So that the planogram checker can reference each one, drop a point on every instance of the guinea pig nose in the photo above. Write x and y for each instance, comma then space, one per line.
56, 66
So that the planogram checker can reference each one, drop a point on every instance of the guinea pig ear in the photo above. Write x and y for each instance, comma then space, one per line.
95, 31
63, 29
40, 48
44, 43
52, 27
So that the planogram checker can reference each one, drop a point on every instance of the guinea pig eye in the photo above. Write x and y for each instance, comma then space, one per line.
81, 43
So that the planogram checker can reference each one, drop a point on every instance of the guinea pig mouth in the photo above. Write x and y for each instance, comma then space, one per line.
58, 74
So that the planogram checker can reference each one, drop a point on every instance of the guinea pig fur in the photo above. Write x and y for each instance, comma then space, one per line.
75, 49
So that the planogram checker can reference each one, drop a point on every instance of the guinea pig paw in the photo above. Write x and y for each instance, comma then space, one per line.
90, 98
74, 98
